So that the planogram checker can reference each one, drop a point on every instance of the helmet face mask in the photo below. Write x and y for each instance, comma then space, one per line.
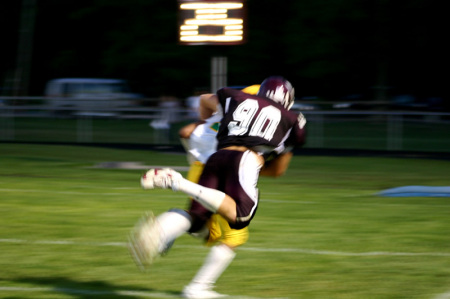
278, 90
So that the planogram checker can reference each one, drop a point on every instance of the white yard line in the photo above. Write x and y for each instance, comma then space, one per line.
177, 195
443, 296
251, 249
150, 294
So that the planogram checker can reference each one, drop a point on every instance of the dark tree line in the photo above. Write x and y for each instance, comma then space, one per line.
327, 48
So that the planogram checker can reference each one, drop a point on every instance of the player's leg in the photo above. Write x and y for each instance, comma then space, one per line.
210, 198
153, 236
173, 224
195, 171
244, 169
221, 232
218, 259
230, 176
217, 228
221, 255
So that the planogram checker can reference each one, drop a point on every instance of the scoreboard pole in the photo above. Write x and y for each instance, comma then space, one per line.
212, 22
219, 72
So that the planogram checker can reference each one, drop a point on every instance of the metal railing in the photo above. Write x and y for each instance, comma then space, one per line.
32, 120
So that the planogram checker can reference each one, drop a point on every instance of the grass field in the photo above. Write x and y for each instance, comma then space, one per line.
320, 231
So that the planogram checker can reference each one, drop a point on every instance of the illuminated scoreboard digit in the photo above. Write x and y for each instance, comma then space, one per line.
211, 22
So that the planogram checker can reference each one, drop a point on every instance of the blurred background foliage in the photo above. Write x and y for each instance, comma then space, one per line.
327, 48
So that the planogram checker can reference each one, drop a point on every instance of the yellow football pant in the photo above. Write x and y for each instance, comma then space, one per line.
219, 229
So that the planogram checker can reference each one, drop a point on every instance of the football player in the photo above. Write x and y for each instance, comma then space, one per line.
255, 137
199, 140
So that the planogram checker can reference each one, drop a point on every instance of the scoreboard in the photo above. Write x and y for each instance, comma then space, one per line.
211, 22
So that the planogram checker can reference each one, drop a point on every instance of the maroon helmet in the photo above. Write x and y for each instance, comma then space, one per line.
278, 90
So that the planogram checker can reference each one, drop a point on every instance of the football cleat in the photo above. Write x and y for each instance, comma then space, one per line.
144, 241
161, 178
200, 292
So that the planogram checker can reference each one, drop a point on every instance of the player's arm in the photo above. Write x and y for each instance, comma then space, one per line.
277, 166
208, 105
186, 131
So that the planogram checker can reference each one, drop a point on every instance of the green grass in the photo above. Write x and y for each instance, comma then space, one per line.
320, 231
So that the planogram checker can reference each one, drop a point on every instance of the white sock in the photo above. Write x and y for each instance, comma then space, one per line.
215, 264
210, 198
173, 223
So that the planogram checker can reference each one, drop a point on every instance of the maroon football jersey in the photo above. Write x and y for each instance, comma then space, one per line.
257, 123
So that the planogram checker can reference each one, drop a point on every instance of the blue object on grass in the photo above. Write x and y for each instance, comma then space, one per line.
417, 191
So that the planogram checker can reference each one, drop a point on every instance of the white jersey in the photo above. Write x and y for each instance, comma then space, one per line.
203, 142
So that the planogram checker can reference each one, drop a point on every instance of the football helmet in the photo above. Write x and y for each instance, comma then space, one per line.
278, 90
